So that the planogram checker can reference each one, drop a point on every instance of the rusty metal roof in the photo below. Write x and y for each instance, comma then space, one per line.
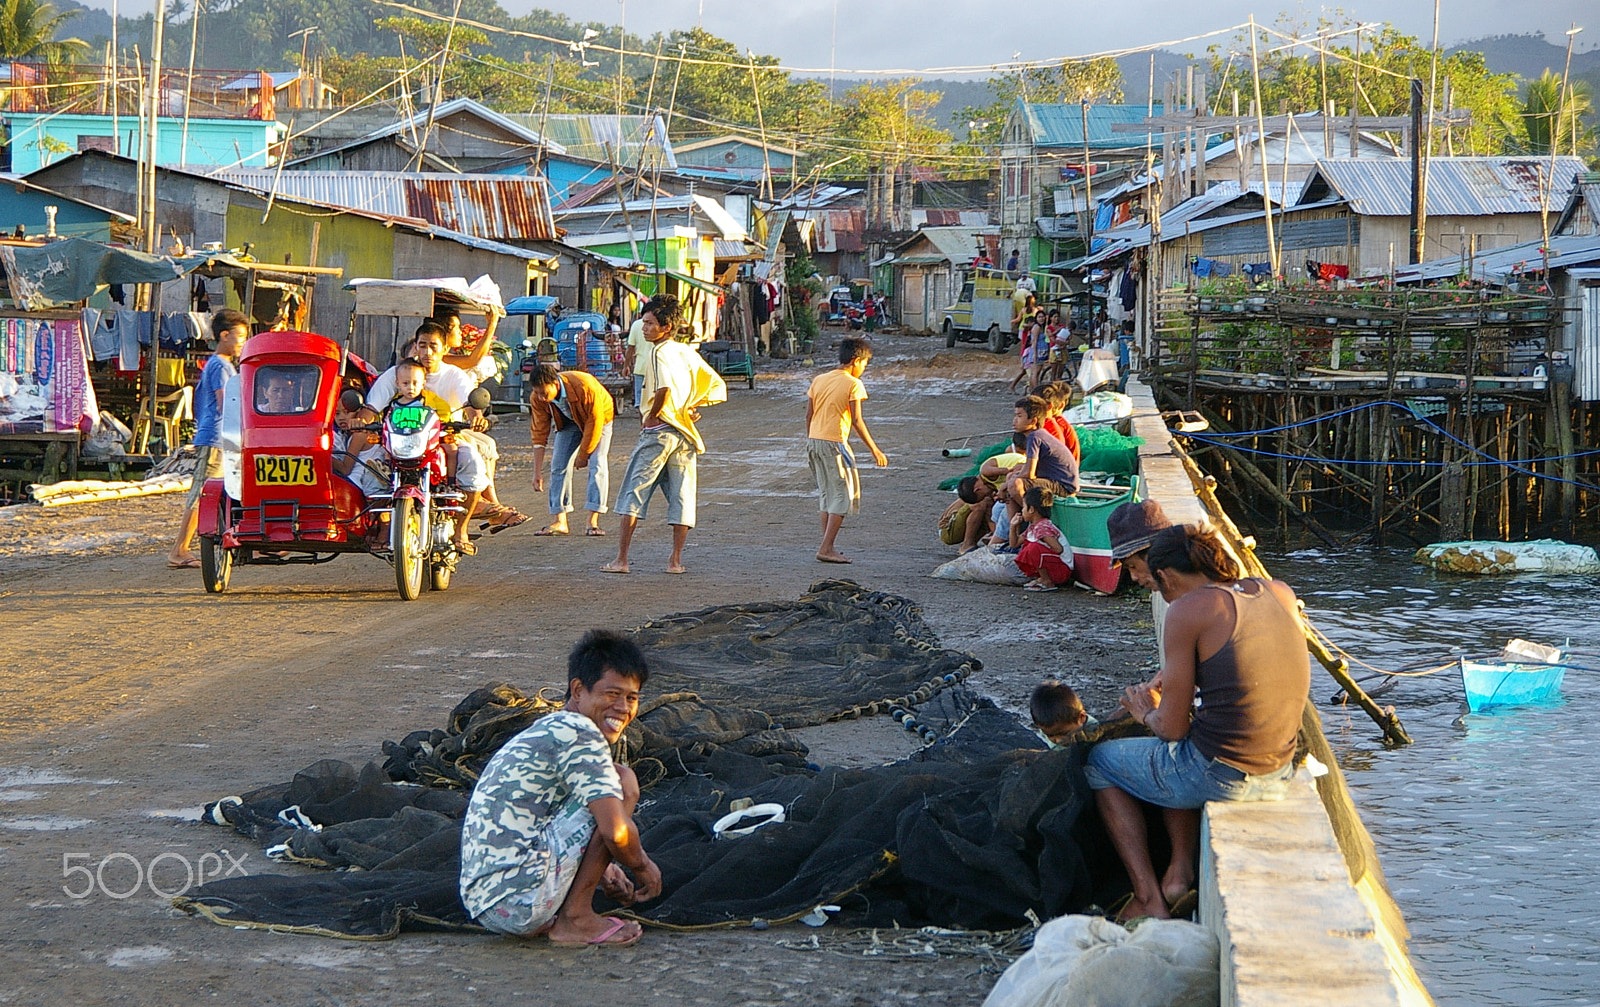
1457, 186
494, 207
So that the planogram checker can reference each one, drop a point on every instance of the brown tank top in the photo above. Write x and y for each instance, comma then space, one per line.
1252, 691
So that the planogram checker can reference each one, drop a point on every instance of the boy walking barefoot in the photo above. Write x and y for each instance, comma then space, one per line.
677, 382
833, 409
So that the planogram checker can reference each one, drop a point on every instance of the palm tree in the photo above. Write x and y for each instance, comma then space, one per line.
1545, 117
28, 30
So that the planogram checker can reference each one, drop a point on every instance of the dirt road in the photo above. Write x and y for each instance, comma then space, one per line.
131, 698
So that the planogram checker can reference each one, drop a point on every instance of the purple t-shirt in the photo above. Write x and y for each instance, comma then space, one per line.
1055, 461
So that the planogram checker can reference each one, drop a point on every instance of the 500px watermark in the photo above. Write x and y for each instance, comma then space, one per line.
111, 877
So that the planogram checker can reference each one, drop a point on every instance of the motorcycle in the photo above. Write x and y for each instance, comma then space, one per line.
423, 509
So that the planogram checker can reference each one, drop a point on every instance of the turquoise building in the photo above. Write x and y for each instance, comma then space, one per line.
36, 139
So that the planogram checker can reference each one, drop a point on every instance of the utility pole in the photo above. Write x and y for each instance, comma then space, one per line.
1555, 132
1261, 140
152, 229
1088, 182
1418, 192
188, 89
116, 81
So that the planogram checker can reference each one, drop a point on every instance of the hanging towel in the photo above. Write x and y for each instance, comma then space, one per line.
200, 325
175, 330
102, 339
1128, 290
1329, 271
127, 327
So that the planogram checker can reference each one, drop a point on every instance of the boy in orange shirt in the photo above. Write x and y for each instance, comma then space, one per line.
833, 409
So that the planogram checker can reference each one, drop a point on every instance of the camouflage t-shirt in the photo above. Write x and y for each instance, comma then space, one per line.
519, 819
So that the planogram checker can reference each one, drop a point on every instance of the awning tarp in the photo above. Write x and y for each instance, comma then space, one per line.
706, 285
65, 272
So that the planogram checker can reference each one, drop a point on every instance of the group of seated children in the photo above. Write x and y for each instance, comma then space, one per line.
1008, 503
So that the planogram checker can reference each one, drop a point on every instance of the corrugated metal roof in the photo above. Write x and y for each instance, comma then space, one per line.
495, 207
1499, 265
1062, 125
951, 244
587, 136
1457, 186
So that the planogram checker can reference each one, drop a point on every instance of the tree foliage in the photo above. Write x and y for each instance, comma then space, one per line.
1545, 113
1293, 80
28, 30
1098, 80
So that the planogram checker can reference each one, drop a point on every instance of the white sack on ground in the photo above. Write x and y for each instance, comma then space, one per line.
982, 566
1089, 961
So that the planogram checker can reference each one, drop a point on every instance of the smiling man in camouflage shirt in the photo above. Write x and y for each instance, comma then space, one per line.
551, 818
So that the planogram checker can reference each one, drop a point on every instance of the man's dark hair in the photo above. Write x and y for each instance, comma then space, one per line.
1033, 407
442, 314
852, 349
544, 374
967, 490
664, 306
1054, 703
227, 319
603, 650
430, 329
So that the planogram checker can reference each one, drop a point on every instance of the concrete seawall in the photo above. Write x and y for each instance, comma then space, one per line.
1274, 885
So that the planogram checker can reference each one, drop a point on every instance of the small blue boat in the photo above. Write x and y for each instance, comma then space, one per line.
1509, 683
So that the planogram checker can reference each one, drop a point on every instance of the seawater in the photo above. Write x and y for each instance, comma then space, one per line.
1486, 824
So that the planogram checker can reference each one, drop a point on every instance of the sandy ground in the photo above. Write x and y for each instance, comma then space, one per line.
132, 698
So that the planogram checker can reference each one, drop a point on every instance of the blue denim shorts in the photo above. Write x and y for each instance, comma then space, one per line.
1173, 774
665, 458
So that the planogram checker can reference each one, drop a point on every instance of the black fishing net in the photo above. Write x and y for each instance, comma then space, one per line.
975, 830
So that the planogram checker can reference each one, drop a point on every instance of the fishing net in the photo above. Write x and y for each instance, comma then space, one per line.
1105, 450
977, 829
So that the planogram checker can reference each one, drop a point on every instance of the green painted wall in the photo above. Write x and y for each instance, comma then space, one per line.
359, 245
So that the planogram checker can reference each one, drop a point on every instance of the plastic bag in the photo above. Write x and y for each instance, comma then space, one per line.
1089, 961
1539, 556
109, 437
983, 565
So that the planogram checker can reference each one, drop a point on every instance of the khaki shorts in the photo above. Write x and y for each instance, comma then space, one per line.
955, 532
207, 465
838, 482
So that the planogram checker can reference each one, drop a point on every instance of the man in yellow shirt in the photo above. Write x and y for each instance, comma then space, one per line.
833, 408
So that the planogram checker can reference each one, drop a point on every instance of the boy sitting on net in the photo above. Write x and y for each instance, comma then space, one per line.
1058, 713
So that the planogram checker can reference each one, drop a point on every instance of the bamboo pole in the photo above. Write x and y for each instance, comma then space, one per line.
1394, 733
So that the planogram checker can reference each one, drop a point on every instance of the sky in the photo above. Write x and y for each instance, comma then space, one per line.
918, 34
924, 34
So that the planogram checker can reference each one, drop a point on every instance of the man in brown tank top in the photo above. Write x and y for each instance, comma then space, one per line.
1238, 648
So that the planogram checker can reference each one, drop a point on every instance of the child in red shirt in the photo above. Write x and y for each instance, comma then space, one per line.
1040, 552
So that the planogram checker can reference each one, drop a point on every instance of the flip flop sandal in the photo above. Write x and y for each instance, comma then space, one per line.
489, 517
516, 518
548, 531
605, 938
1184, 905
595, 533
466, 548
188, 564
1039, 588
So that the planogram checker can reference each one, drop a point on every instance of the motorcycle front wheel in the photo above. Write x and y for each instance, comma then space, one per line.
405, 542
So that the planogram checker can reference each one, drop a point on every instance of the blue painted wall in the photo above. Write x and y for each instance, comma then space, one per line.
73, 219
35, 139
